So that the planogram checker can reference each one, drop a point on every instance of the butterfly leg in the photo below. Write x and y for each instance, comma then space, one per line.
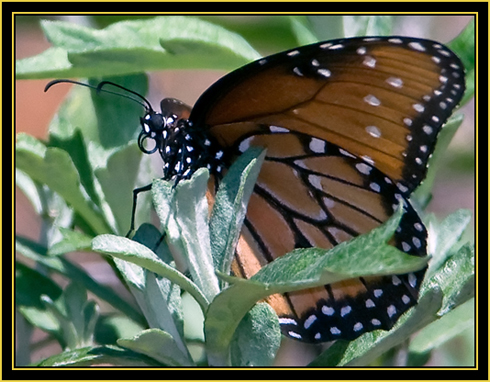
136, 191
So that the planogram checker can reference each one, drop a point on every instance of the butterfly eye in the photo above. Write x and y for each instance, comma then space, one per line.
153, 124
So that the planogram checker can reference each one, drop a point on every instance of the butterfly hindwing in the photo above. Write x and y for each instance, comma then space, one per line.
338, 197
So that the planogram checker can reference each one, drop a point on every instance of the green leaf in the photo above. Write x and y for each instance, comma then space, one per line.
30, 189
75, 298
332, 356
75, 317
30, 286
75, 146
117, 181
189, 226
71, 241
90, 318
71, 271
133, 252
117, 117
113, 326
90, 356
75, 113
300, 28
95, 132
135, 46
357, 25
163, 194
464, 45
158, 345
106, 120
444, 329
158, 298
456, 278
230, 207
327, 27
257, 338
55, 168
67, 330
445, 236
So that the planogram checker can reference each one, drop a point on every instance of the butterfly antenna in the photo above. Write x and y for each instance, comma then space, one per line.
146, 104
103, 83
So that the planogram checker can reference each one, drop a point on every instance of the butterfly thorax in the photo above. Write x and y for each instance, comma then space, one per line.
183, 148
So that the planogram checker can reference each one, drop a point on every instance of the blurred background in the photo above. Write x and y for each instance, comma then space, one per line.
34, 109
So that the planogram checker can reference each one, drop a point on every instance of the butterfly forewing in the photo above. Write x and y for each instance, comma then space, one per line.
383, 99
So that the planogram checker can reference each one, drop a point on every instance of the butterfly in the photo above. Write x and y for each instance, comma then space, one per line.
349, 126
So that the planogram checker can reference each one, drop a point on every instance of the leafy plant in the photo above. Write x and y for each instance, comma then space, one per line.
81, 180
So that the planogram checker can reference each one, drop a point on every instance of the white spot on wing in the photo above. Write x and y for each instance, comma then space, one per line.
315, 181
363, 168
345, 310
427, 129
245, 144
391, 311
395, 40
324, 72
278, 129
369, 62
395, 82
358, 326
287, 321
412, 280
373, 131
309, 321
372, 100
317, 145
294, 334
327, 310
417, 46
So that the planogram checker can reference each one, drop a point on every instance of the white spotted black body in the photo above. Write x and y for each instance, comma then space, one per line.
183, 149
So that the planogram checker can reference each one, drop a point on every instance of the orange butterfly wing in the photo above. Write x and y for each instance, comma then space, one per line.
349, 126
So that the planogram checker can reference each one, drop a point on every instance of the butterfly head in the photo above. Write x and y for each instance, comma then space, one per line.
154, 126
183, 148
